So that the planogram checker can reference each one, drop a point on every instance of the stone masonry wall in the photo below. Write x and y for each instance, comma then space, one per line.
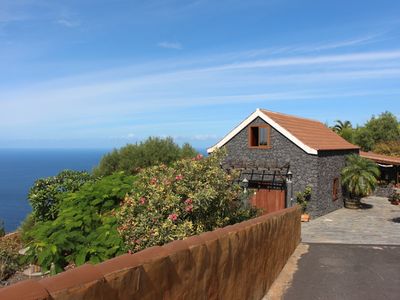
235, 262
317, 171
303, 166
330, 164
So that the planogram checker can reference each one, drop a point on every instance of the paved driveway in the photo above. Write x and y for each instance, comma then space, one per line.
377, 224
346, 272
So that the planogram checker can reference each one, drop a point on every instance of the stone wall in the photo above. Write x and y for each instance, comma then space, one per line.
330, 164
317, 171
303, 166
235, 262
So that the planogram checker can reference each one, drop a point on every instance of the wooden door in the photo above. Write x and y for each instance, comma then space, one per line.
269, 200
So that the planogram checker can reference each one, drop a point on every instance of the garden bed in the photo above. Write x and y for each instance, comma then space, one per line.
9, 257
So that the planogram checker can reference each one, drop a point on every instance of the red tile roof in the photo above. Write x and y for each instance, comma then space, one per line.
312, 133
379, 158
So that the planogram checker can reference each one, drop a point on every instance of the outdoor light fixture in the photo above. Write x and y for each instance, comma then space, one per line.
245, 184
289, 176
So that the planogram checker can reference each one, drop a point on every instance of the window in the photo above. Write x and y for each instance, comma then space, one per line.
259, 136
335, 189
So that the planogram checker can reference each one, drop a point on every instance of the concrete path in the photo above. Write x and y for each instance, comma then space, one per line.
378, 223
346, 272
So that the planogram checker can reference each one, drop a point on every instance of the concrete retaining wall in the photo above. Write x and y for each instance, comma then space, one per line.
235, 262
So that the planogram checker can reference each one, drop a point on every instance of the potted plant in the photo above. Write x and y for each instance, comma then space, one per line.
359, 179
394, 198
302, 199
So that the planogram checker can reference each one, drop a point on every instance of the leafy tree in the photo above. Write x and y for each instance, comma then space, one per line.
379, 129
134, 157
383, 128
187, 198
344, 129
46, 193
364, 138
391, 148
359, 176
341, 125
85, 228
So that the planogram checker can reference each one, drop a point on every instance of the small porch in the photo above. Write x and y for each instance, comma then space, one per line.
271, 183
388, 165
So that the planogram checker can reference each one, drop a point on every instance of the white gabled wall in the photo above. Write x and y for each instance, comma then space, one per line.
259, 114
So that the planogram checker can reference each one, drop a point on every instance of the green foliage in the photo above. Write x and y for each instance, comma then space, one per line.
381, 129
359, 176
348, 134
86, 226
132, 158
341, 125
26, 228
2, 230
46, 193
364, 138
302, 198
187, 198
391, 148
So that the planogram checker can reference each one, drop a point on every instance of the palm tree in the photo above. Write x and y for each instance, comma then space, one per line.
359, 177
340, 126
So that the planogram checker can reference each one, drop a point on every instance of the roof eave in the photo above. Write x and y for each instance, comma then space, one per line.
279, 128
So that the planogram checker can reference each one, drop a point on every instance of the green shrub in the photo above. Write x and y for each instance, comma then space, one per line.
302, 198
359, 176
26, 228
86, 226
132, 158
170, 203
45, 194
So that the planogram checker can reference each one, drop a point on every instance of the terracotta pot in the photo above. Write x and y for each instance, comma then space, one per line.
305, 217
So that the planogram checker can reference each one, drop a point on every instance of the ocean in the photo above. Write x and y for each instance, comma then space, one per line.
19, 168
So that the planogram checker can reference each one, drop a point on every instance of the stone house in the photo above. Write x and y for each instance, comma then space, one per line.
306, 152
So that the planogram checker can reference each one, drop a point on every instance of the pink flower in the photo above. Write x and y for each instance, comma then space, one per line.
188, 201
173, 217
129, 251
142, 200
179, 177
153, 180
189, 208
199, 157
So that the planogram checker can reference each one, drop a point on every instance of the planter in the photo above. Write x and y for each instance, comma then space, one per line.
352, 203
305, 217
395, 202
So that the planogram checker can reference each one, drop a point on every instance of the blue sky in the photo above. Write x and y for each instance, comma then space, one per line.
104, 73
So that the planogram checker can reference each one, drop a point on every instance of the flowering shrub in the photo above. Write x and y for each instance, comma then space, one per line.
169, 203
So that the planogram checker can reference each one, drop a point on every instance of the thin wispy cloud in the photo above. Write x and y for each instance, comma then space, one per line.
68, 23
170, 45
